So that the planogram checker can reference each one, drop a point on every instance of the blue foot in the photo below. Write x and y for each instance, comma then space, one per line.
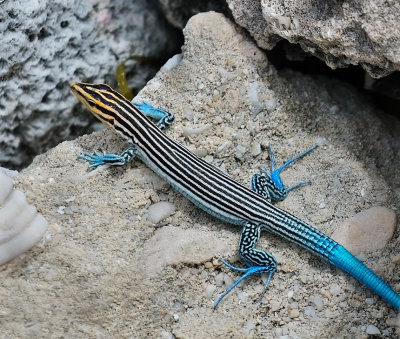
97, 158
275, 175
248, 271
164, 119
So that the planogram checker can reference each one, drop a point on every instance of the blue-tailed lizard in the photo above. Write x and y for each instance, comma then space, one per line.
214, 191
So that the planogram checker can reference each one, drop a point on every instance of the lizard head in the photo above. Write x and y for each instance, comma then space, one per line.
100, 99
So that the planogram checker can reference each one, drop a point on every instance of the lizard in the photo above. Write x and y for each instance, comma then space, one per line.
216, 192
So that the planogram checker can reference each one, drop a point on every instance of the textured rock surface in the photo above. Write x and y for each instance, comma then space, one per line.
173, 245
367, 231
341, 33
87, 276
47, 44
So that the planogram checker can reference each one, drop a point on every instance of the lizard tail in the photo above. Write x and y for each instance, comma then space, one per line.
342, 258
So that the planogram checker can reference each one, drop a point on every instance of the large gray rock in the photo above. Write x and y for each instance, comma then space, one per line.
104, 270
47, 44
341, 33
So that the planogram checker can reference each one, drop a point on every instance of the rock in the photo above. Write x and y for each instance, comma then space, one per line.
275, 305
159, 211
293, 313
341, 34
373, 330
394, 322
92, 275
367, 231
173, 245
46, 45
309, 311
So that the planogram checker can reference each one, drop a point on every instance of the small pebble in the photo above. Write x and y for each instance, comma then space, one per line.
160, 211
284, 21
243, 296
336, 182
275, 305
209, 291
396, 258
60, 210
216, 262
222, 168
320, 141
204, 275
394, 322
240, 151
250, 326
369, 301
293, 313
208, 265
335, 289
189, 114
218, 119
318, 302
367, 231
377, 313
209, 159
309, 311
166, 335
304, 278
255, 149
195, 131
200, 152
373, 330
70, 199
219, 279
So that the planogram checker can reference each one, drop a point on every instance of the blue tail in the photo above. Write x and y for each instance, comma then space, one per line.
343, 259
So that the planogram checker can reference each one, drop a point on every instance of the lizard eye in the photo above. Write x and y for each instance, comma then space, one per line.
91, 103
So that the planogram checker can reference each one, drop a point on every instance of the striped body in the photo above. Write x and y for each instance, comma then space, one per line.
212, 190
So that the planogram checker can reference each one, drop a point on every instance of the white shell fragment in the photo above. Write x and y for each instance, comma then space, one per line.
160, 211
20, 224
6, 184
187, 131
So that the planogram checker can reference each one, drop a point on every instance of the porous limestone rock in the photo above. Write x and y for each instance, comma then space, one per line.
341, 33
47, 44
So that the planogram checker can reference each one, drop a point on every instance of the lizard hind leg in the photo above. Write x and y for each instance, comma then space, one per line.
269, 184
257, 261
